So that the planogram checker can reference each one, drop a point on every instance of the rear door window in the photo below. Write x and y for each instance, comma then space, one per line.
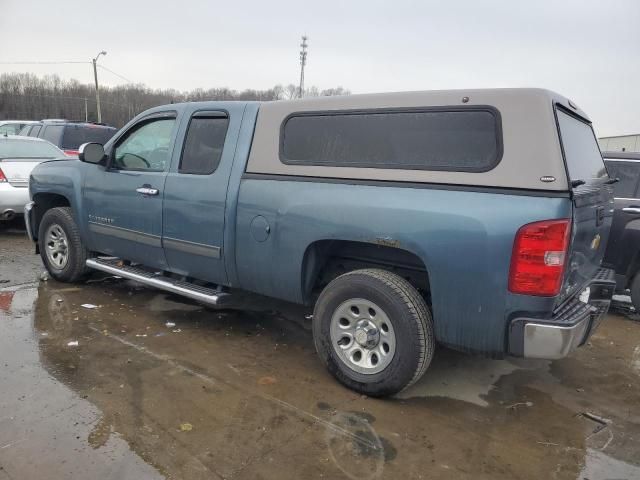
53, 133
203, 144
465, 139
76, 135
629, 175
581, 151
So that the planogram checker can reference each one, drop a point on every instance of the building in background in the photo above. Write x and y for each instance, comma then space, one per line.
620, 143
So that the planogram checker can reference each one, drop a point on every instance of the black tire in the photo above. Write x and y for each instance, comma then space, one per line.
635, 292
412, 325
75, 267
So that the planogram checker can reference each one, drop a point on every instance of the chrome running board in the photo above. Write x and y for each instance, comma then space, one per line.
157, 280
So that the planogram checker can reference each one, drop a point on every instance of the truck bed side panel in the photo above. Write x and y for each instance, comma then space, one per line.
464, 238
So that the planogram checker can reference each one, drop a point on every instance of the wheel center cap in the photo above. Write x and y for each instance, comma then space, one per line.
367, 334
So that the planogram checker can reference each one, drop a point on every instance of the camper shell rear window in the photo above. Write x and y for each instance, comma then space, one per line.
458, 139
580, 147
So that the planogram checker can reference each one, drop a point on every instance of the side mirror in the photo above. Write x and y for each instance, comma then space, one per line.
91, 153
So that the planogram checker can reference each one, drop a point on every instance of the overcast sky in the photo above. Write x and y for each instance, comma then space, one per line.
586, 50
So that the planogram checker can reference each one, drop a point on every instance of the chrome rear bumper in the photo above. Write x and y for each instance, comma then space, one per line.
570, 325
553, 341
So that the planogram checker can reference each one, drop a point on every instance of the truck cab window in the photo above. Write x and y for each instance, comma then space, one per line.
145, 147
203, 145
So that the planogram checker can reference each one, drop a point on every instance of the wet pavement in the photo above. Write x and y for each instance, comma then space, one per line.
157, 387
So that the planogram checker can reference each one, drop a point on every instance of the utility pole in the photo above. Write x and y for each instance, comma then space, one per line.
95, 77
86, 111
303, 62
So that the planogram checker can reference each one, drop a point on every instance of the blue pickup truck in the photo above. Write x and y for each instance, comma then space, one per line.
475, 219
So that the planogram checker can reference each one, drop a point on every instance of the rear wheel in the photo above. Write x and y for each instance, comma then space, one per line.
61, 248
635, 292
374, 332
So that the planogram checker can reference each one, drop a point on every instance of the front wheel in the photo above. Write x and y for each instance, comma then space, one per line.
61, 248
373, 331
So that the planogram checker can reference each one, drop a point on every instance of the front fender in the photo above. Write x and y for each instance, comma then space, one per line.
63, 178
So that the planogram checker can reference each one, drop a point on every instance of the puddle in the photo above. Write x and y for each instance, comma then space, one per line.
463, 377
44, 425
161, 303
635, 359
599, 466
259, 404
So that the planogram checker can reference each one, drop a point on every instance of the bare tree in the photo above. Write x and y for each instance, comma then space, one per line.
330, 92
27, 96
289, 92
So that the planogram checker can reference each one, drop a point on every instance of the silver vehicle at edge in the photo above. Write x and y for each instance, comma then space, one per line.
18, 156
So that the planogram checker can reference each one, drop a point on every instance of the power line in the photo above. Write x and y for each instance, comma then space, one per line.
38, 63
71, 62
64, 63
44, 96
116, 74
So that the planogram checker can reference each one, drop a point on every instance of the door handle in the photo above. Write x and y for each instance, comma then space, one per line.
147, 191
631, 210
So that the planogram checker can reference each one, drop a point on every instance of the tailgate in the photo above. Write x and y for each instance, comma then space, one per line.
592, 215
17, 171
592, 196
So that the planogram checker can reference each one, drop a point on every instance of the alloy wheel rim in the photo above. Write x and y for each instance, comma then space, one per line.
362, 335
57, 246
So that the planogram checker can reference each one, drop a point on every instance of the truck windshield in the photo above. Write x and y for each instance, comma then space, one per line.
584, 161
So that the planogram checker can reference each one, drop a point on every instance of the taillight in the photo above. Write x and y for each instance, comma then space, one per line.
2, 177
538, 259
71, 153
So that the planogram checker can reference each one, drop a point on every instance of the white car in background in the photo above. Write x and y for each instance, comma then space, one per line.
18, 156
12, 127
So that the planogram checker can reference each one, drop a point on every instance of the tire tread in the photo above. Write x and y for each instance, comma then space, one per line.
417, 310
78, 257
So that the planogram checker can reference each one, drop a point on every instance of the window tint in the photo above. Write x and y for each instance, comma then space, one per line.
53, 133
76, 135
35, 131
584, 161
146, 147
203, 145
629, 175
456, 140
